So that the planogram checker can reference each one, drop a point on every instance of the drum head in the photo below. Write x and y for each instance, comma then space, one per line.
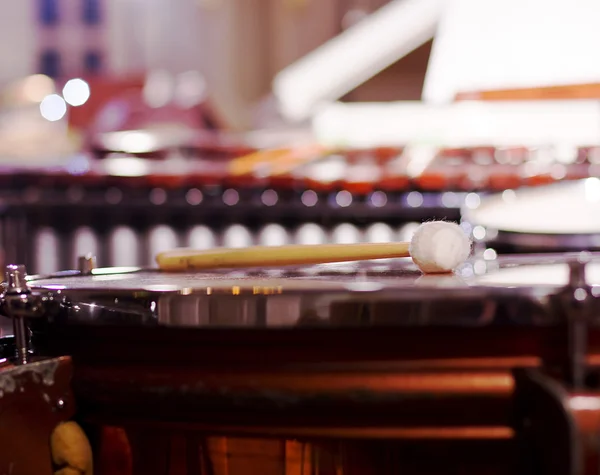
560, 216
519, 289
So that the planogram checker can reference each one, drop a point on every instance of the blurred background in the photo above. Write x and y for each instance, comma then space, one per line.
128, 127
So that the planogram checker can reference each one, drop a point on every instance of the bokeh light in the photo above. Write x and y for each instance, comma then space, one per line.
53, 107
76, 92
36, 87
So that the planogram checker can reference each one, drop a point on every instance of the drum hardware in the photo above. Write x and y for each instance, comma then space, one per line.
86, 264
550, 413
578, 310
35, 394
543, 421
20, 304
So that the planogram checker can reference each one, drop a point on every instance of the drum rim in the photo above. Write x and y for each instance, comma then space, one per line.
410, 290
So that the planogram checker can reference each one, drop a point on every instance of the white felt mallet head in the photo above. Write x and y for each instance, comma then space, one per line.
439, 246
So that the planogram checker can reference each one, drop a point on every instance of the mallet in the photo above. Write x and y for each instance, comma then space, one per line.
436, 247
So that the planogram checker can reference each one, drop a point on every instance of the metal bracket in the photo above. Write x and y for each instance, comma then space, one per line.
19, 303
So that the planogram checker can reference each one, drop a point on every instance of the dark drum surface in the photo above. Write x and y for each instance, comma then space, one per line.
367, 368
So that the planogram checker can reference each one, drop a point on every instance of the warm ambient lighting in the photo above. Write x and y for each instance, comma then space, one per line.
36, 87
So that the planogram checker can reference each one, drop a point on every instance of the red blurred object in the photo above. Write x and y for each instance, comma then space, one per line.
102, 90
118, 105
129, 111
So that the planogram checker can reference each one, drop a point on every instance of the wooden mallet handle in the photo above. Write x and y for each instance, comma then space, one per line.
259, 256
436, 247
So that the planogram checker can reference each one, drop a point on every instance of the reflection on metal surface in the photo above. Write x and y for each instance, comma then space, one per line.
507, 291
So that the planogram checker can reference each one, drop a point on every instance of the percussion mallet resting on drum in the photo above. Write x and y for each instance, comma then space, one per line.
436, 247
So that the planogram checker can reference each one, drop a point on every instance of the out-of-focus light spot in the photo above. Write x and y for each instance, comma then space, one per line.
490, 254
159, 89
113, 116
53, 107
580, 294
414, 199
467, 227
345, 233
310, 233
78, 165
75, 194
407, 231
509, 196
450, 200
273, 235
36, 87
558, 171
594, 155
466, 271
269, 197
126, 166
76, 92
309, 198
584, 403
231, 197
592, 189
194, 196
190, 89
329, 170
130, 141
113, 196
379, 232
343, 198
479, 267
379, 199
565, 153
32, 195
482, 157
533, 168
479, 232
158, 196
472, 201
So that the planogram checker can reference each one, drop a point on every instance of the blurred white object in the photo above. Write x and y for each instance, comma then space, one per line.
500, 44
460, 124
353, 57
569, 208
